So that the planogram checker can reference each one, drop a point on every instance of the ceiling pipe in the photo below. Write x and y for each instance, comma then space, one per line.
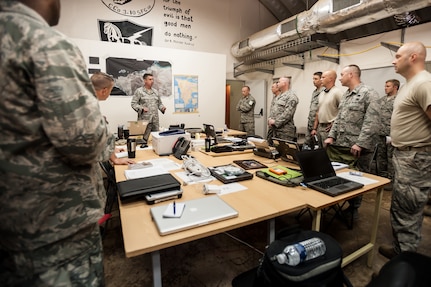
322, 18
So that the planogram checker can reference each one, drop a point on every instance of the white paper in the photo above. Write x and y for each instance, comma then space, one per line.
144, 172
121, 154
230, 187
338, 165
174, 210
165, 163
188, 178
361, 179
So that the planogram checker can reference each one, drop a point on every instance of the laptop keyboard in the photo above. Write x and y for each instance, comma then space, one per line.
330, 182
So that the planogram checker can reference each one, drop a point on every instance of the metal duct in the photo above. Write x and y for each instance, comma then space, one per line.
326, 16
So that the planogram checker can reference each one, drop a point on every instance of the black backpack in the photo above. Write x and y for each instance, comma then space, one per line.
323, 271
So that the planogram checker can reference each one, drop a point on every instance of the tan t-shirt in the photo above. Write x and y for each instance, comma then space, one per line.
410, 126
328, 104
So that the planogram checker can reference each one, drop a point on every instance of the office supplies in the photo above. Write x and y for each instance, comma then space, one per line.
197, 212
263, 149
320, 175
136, 189
230, 173
249, 164
174, 210
163, 196
287, 149
162, 144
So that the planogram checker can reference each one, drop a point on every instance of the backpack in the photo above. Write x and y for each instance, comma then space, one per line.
323, 271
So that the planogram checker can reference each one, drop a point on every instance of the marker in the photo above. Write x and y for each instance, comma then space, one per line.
303, 185
174, 207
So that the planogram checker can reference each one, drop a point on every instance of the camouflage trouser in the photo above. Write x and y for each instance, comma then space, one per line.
36, 268
322, 134
412, 185
384, 158
247, 127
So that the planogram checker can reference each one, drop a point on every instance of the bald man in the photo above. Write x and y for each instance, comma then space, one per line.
327, 110
411, 137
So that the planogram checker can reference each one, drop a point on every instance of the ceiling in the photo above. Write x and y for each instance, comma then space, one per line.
284, 9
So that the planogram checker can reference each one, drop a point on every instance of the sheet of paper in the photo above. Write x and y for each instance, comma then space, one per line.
174, 210
165, 163
144, 172
188, 178
338, 165
361, 179
226, 188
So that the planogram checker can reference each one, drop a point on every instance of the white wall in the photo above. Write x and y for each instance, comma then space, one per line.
211, 82
218, 24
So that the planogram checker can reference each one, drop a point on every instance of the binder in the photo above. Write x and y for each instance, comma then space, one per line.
137, 189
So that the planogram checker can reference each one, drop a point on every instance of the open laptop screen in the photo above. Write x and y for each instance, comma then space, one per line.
315, 164
287, 149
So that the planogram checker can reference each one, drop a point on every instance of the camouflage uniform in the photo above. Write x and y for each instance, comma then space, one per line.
144, 98
282, 110
385, 151
312, 115
412, 161
357, 122
246, 107
52, 134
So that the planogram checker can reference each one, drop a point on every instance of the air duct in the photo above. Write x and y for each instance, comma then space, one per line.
326, 16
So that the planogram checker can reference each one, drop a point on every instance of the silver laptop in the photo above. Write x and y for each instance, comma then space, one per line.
197, 212
287, 149
320, 175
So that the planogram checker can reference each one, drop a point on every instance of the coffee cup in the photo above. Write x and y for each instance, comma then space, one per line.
131, 148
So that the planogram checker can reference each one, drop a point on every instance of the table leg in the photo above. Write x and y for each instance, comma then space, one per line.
157, 269
317, 217
271, 230
377, 205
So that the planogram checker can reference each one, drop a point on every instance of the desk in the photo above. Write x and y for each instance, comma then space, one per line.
254, 205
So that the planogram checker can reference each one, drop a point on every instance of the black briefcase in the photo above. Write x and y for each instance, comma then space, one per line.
139, 188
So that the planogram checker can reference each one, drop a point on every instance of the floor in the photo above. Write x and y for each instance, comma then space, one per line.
216, 260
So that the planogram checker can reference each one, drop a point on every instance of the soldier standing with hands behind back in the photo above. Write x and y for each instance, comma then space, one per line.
246, 107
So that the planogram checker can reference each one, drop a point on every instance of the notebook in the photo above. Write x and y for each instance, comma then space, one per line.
320, 175
287, 149
197, 212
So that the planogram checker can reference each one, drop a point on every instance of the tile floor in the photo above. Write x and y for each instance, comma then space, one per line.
216, 260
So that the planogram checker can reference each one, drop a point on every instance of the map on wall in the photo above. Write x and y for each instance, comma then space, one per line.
128, 75
186, 94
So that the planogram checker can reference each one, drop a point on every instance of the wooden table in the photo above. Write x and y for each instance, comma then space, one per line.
257, 203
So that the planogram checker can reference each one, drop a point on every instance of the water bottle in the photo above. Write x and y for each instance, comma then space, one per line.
302, 251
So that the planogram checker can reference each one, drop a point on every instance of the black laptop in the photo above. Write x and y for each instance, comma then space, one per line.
320, 175
287, 149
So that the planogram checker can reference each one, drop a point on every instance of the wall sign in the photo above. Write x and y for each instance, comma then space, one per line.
130, 8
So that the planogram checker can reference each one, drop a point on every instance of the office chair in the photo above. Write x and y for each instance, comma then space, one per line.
111, 194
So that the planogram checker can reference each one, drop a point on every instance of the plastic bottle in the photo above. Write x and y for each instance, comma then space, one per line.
302, 251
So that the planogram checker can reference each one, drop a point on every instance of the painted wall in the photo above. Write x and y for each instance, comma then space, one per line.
216, 25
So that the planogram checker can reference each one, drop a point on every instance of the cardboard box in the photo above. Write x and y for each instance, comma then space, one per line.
162, 145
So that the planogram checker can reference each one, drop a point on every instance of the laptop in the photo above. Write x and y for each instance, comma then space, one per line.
197, 212
320, 175
287, 149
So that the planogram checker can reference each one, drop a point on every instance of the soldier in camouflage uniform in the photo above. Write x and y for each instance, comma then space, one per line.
146, 102
246, 107
52, 134
354, 132
411, 137
313, 108
283, 107
385, 149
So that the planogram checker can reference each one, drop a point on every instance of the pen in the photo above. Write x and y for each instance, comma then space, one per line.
174, 207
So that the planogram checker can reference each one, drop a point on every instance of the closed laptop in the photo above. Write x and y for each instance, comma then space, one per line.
197, 212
